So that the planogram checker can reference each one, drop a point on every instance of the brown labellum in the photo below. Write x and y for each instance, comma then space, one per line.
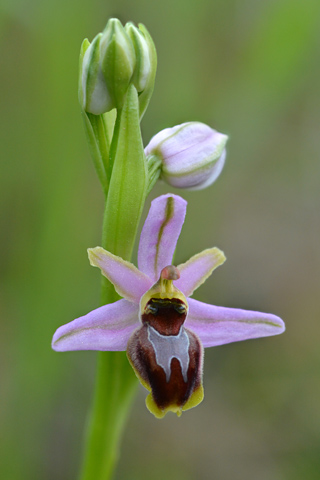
166, 356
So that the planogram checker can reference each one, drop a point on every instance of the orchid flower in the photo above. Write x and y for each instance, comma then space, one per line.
161, 327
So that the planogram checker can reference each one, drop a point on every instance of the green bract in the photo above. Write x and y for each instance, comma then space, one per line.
129, 180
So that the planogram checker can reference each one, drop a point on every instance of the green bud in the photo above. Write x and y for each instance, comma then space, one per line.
146, 53
143, 61
117, 60
93, 93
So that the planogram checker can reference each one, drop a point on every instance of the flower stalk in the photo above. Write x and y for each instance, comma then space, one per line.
126, 184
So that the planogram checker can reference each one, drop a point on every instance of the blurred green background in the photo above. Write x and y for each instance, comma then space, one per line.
248, 68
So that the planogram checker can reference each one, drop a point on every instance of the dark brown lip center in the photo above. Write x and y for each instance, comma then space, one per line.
165, 315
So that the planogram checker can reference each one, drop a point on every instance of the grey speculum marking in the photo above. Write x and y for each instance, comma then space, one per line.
167, 347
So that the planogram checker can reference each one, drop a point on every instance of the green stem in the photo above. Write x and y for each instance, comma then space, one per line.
101, 135
116, 382
116, 385
98, 145
112, 152
154, 164
115, 388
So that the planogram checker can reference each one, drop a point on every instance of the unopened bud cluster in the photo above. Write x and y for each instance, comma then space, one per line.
116, 58
190, 155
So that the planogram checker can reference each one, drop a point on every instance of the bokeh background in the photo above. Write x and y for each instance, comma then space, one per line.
248, 68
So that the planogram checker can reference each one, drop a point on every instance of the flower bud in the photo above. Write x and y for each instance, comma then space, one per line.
117, 60
106, 69
93, 93
143, 61
146, 63
117, 57
192, 154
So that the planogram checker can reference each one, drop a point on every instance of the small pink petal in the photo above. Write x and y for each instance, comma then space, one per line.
160, 234
128, 281
195, 271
